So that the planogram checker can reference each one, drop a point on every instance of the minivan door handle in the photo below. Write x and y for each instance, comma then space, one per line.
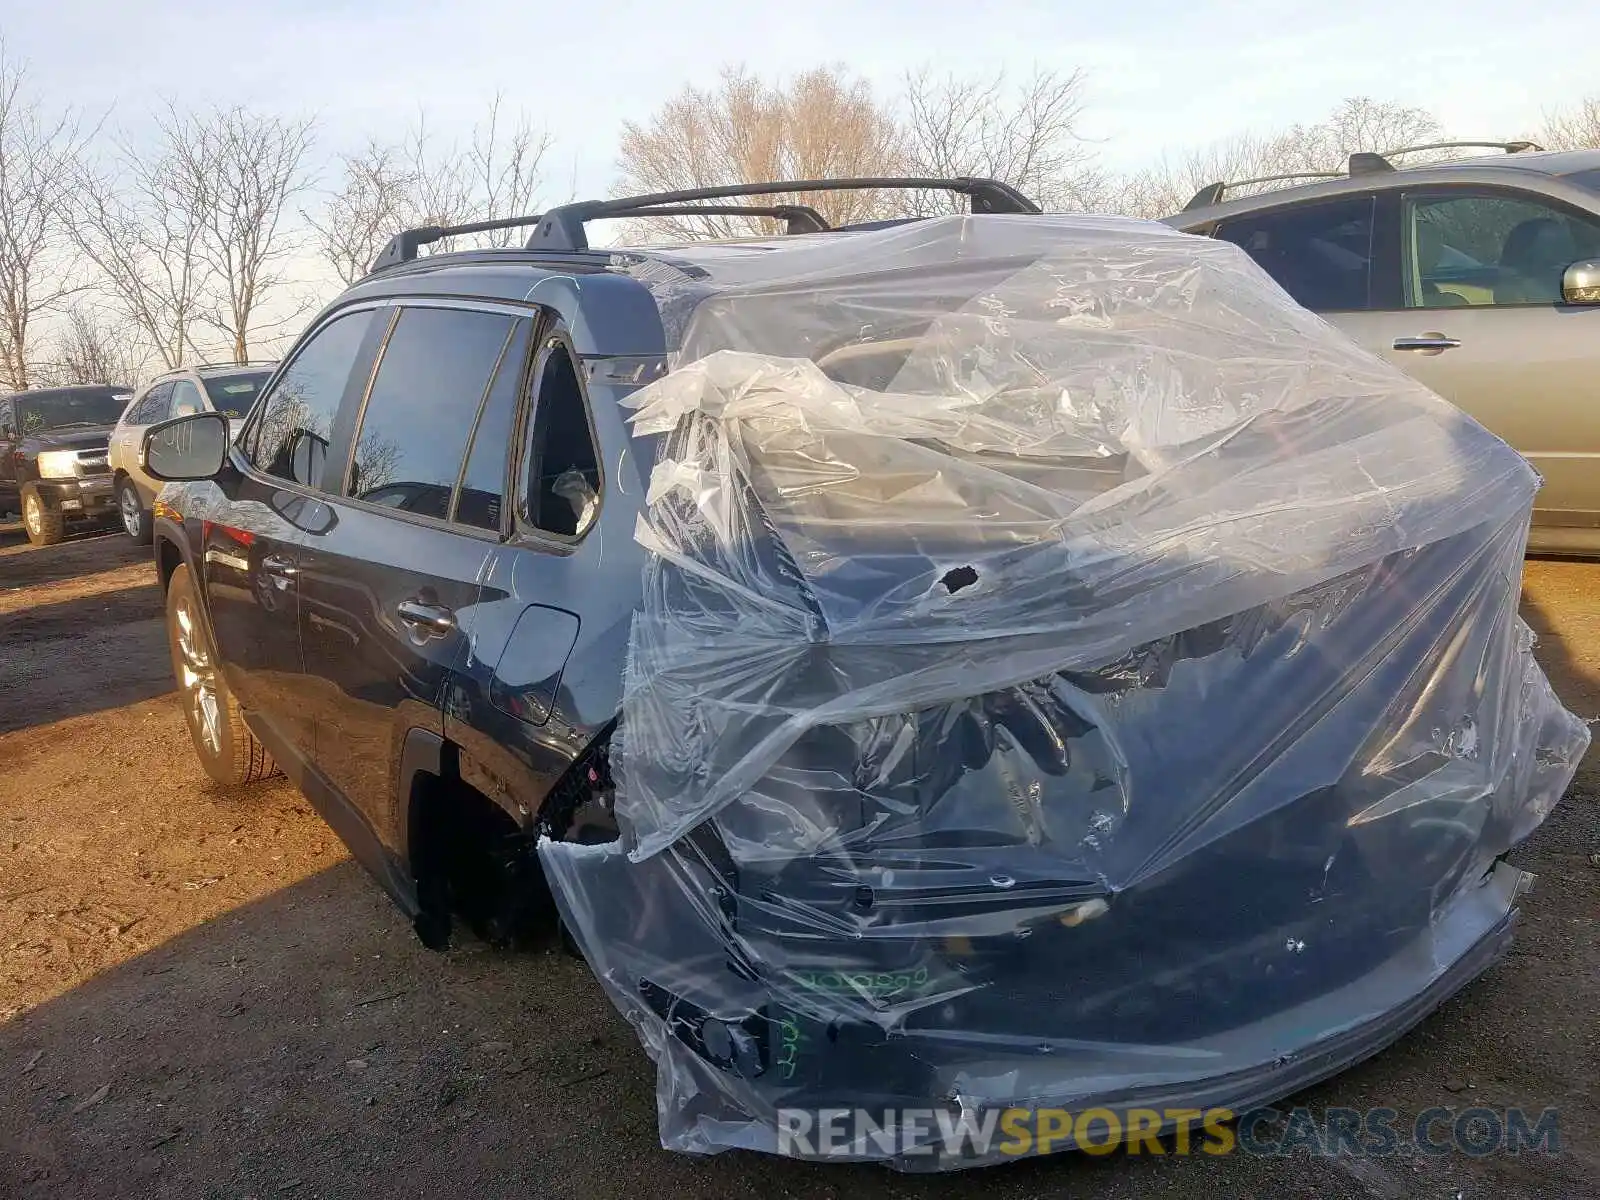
1427, 343
431, 619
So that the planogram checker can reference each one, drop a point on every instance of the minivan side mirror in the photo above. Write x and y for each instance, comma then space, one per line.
185, 448
1580, 284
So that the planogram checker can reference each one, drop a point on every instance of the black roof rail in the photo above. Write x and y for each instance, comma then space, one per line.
561, 228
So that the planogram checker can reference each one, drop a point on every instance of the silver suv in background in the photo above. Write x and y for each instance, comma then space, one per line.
1480, 277
229, 389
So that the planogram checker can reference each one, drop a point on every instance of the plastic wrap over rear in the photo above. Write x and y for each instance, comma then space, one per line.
1068, 673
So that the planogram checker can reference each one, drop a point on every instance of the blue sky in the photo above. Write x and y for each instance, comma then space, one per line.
1163, 76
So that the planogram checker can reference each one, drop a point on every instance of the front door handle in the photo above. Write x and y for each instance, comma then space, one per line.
279, 564
1427, 343
434, 620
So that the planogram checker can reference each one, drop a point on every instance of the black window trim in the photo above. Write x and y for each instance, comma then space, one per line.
1405, 196
524, 370
347, 435
555, 335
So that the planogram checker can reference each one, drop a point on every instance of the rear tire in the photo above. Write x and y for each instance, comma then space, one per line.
227, 749
42, 517
135, 516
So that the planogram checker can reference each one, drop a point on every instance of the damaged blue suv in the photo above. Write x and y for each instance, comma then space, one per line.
955, 664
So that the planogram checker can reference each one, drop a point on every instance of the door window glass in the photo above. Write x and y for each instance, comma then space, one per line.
291, 437
1321, 254
427, 392
1491, 248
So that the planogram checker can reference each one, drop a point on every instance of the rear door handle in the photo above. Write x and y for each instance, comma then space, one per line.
1427, 343
279, 564
433, 619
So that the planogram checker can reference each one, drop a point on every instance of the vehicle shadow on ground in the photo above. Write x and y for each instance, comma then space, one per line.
122, 632
22, 565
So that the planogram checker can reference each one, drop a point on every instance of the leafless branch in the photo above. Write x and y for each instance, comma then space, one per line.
1576, 128
1024, 133
39, 270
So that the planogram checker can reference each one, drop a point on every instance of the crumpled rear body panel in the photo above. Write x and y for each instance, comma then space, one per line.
1068, 673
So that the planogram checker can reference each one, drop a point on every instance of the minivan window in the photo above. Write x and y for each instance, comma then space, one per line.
156, 406
482, 495
427, 392
563, 480
1321, 254
186, 399
291, 437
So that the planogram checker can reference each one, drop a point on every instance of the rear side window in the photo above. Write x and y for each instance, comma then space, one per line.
563, 476
425, 398
155, 406
291, 437
1321, 254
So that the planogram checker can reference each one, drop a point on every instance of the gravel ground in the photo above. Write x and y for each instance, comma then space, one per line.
201, 995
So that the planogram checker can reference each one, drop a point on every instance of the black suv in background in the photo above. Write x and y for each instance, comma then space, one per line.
53, 456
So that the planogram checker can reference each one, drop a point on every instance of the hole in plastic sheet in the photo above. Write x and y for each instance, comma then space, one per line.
957, 578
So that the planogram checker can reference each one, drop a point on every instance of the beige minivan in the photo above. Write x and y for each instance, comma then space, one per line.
1480, 277
229, 389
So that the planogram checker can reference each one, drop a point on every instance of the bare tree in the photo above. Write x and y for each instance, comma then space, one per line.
822, 123
1357, 124
1025, 134
1576, 128
90, 348
243, 169
141, 217
420, 180
369, 207
504, 161
37, 271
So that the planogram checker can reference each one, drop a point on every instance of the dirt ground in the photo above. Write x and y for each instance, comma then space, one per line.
201, 995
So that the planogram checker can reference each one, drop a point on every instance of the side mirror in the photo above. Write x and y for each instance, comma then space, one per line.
185, 448
1581, 282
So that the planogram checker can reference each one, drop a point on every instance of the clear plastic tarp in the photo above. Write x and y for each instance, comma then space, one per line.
1069, 673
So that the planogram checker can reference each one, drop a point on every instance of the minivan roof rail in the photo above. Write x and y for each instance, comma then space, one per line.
1363, 162
561, 228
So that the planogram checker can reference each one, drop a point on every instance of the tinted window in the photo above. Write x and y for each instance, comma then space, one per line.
38, 411
156, 406
291, 438
1321, 254
1491, 248
232, 395
483, 483
563, 475
427, 392
186, 399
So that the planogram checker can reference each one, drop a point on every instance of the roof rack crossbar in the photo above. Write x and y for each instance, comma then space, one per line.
561, 228
798, 218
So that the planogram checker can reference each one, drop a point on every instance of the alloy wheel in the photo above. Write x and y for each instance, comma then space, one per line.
199, 678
